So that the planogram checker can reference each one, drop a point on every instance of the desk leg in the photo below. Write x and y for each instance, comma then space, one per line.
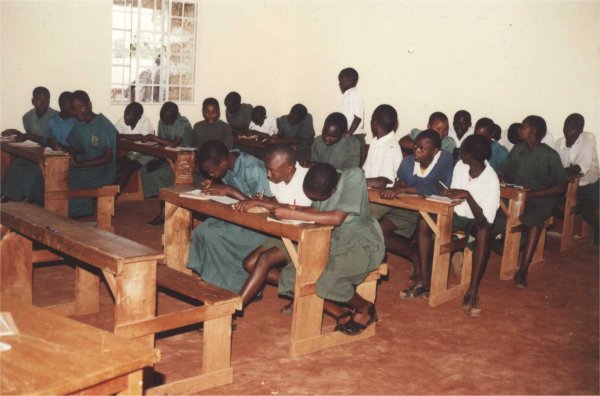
441, 261
56, 173
136, 295
134, 384
16, 267
87, 295
512, 239
176, 237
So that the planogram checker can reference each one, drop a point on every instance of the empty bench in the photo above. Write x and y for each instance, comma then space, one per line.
130, 271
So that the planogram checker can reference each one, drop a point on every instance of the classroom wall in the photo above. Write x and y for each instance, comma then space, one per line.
499, 59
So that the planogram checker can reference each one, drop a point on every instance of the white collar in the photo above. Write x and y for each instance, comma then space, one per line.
384, 139
417, 166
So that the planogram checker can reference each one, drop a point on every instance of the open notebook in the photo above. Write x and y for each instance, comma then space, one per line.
198, 194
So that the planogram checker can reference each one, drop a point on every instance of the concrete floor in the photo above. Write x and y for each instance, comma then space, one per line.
540, 340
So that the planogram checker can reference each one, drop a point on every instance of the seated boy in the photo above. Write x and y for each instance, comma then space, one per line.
296, 128
218, 249
475, 182
485, 127
135, 126
579, 155
384, 157
335, 146
461, 127
261, 124
18, 180
352, 106
533, 164
93, 144
437, 122
511, 137
420, 173
237, 113
211, 128
356, 249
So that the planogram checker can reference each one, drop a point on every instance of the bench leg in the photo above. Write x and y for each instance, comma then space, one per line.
105, 212
16, 267
176, 238
134, 384
567, 238
87, 295
538, 255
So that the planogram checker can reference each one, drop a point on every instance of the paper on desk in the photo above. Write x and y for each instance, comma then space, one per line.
198, 194
26, 143
179, 148
146, 143
287, 221
48, 150
439, 198
7, 324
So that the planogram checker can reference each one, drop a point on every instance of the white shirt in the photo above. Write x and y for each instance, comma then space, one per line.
292, 192
485, 190
583, 153
453, 135
384, 157
269, 126
143, 127
352, 106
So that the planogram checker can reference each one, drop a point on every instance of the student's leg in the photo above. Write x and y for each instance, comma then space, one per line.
363, 315
398, 245
481, 255
588, 201
127, 169
533, 235
423, 270
266, 260
159, 219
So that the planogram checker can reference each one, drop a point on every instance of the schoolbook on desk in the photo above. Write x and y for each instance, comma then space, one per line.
438, 198
286, 221
198, 194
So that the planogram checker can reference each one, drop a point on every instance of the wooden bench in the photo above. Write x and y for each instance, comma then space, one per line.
54, 355
130, 271
182, 163
573, 230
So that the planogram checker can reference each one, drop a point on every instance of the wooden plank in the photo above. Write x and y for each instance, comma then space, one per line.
86, 243
328, 340
413, 202
43, 255
512, 236
87, 291
441, 260
176, 237
66, 309
447, 295
216, 344
104, 191
567, 239
155, 151
110, 387
56, 175
195, 384
49, 345
16, 267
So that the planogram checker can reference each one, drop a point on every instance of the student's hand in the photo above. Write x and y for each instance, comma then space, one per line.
455, 193
21, 137
146, 138
284, 212
206, 183
389, 193
218, 189
11, 132
244, 206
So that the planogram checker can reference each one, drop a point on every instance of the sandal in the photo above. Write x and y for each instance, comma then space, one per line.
352, 327
414, 291
339, 325
520, 281
288, 308
471, 307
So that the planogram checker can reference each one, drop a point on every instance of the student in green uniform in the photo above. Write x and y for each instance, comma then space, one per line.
296, 128
93, 145
533, 164
237, 113
211, 128
18, 180
217, 249
356, 249
335, 146
438, 121
173, 130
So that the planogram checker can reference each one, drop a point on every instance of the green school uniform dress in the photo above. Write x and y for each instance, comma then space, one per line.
218, 249
345, 154
538, 170
163, 176
204, 131
18, 181
304, 130
241, 119
448, 144
89, 141
356, 247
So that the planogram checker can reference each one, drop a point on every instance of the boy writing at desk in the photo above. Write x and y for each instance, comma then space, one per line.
356, 249
237, 113
296, 128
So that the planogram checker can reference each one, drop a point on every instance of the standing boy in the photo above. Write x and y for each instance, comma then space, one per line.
352, 106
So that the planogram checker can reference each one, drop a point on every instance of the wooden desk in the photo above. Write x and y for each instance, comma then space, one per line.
572, 223
443, 245
257, 147
55, 169
182, 164
310, 260
512, 235
56, 355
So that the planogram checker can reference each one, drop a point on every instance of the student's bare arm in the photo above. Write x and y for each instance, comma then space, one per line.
355, 124
10, 132
399, 188
30, 136
573, 170
557, 189
134, 137
105, 159
378, 182
464, 194
332, 218
225, 189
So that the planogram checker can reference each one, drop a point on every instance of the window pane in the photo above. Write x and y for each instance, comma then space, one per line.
174, 78
174, 93
186, 94
176, 9
190, 10
176, 24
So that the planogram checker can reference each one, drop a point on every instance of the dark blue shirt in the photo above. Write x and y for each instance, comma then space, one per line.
428, 185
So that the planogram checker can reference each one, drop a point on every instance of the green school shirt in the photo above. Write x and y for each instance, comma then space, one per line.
448, 144
305, 132
204, 131
241, 119
345, 154
37, 125
180, 128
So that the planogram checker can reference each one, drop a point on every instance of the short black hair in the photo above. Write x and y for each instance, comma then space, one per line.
82, 96
64, 98
320, 180
285, 149
169, 108
486, 123
463, 113
478, 146
299, 110
135, 108
350, 73
338, 120
432, 135
575, 121
233, 97
40, 90
387, 116
539, 124
210, 102
213, 152
258, 112
513, 132
496, 132
437, 115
